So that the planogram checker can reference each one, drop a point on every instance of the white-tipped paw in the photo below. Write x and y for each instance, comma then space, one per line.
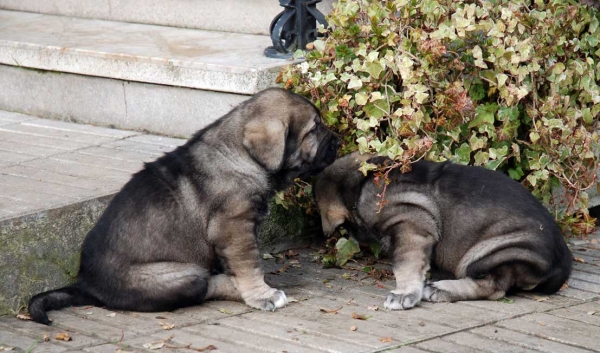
402, 300
270, 300
433, 293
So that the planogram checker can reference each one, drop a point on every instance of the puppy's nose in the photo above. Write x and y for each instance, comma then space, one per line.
335, 143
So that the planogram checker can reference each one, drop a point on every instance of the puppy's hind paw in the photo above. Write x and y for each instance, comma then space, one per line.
273, 299
432, 293
402, 300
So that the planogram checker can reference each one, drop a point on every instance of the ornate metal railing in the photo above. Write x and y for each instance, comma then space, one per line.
294, 27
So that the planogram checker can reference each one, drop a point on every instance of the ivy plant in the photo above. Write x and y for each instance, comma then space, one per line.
508, 85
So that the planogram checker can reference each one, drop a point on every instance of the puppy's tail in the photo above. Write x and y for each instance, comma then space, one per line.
57, 299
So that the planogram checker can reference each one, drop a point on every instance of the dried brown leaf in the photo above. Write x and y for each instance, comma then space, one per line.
61, 336
46, 337
330, 311
24, 317
538, 298
166, 326
359, 316
386, 339
579, 259
161, 318
353, 328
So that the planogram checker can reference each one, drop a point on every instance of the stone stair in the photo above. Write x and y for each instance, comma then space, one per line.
166, 67
239, 16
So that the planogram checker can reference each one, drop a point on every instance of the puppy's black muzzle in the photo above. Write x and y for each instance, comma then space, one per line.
326, 153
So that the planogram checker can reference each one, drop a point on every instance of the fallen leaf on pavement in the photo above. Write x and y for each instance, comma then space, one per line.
24, 317
331, 311
505, 300
374, 308
154, 345
267, 256
204, 349
591, 312
359, 316
386, 339
541, 323
537, 298
167, 326
46, 338
161, 318
295, 300
85, 307
225, 311
63, 337
579, 259
6, 348
564, 286
112, 315
353, 328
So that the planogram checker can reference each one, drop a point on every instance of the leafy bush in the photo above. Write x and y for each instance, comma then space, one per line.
508, 85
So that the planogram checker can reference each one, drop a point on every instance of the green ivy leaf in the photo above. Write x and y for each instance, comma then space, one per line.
375, 249
516, 173
346, 249
484, 114
464, 154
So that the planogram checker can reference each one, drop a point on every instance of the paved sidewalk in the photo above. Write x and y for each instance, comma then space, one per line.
45, 164
320, 319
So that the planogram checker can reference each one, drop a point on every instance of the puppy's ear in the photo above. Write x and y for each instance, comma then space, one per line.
264, 139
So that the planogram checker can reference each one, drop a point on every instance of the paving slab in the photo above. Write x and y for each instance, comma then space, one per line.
523, 340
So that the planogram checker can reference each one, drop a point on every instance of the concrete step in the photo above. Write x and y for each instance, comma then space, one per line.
164, 80
208, 60
56, 178
246, 16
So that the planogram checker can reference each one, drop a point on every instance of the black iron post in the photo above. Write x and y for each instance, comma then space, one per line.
294, 27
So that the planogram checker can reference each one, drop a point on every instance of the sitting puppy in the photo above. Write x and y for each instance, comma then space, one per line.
477, 225
194, 212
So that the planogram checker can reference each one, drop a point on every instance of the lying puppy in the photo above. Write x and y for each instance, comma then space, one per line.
194, 212
478, 225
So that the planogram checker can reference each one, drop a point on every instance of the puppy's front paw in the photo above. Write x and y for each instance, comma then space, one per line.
433, 293
402, 300
269, 300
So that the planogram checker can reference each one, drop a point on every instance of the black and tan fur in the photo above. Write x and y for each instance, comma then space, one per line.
183, 229
482, 228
